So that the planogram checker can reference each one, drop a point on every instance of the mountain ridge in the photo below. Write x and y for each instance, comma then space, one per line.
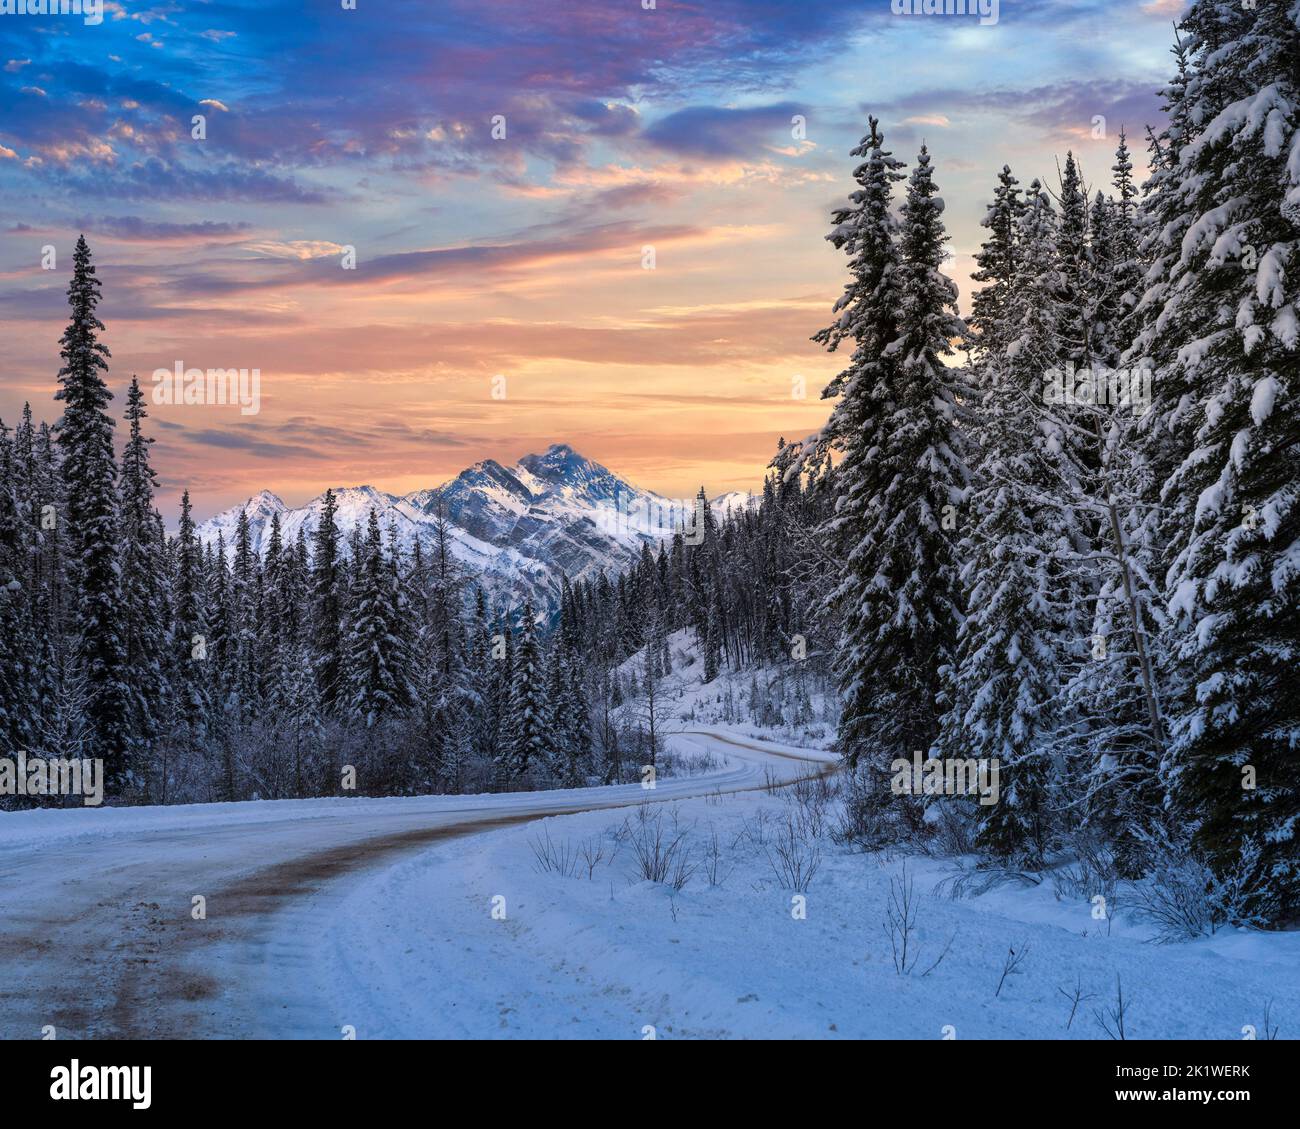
520, 529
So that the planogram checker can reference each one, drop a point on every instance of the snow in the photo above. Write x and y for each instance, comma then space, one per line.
609, 955
1262, 399
1265, 108
122, 881
1209, 225
1270, 277
1195, 352
735, 501
1285, 327
403, 941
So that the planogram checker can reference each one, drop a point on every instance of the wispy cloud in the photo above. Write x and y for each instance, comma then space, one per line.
501, 168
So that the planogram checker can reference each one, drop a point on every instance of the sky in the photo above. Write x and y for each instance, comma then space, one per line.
593, 221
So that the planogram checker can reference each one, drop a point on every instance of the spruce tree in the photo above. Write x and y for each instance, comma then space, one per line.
903, 472
503, 692
529, 717
377, 657
245, 600
1005, 682
144, 594
221, 668
49, 511
273, 626
998, 260
16, 721
483, 718
327, 611
85, 434
1227, 348
1126, 222
296, 695
867, 313
192, 657
1075, 269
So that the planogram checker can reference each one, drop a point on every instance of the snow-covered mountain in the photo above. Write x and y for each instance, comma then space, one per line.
733, 502
520, 528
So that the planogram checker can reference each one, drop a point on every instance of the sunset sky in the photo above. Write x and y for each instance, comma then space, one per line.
520, 256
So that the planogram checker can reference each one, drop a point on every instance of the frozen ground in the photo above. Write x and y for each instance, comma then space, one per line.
418, 953
101, 933
434, 917
377, 916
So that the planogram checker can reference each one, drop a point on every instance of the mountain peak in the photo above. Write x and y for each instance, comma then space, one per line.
518, 528
561, 464
556, 454
265, 500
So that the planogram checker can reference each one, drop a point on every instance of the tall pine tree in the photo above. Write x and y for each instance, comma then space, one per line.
85, 434
144, 593
1227, 347
903, 474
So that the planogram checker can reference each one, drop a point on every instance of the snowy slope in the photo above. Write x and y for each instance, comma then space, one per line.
733, 502
520, 528
117, 886
611, 955
376, 915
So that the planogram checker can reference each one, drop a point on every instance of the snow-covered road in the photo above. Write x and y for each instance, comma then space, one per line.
100, 935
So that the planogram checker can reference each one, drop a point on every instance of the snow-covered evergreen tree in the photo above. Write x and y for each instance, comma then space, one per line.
1022, 621
483, 720
1075, 272
241, 656
529, 716
145, 603
569, 733
273, 626
503, 683
377, 656
49, 590
447, 692
1116, 749
191, 646
998, 262
16, 720
868, 315
1226, 341
85, 434
1127, 219
293, 702
903, 467
326, 608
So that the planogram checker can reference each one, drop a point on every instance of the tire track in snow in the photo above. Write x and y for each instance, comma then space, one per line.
107, 947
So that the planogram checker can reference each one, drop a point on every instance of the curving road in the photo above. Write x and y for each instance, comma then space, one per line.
98, 936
